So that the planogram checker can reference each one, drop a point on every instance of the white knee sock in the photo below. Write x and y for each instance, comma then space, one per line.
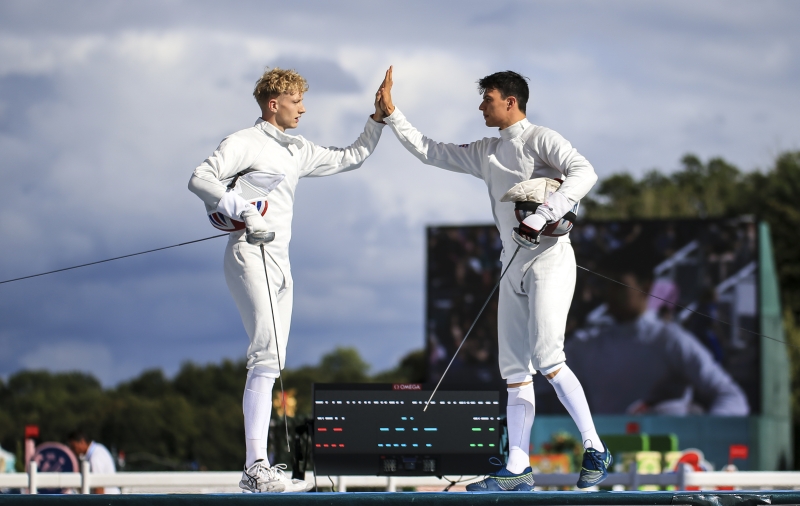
570, 393
519, 415
257, 407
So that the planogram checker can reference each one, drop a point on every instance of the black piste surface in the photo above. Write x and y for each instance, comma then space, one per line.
419, 499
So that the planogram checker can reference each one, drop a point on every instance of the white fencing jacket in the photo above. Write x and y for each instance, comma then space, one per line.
265, 148
523, 151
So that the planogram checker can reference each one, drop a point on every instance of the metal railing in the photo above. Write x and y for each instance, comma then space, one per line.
84, 481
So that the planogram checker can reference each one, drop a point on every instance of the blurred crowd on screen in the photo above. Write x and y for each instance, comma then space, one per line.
661, 358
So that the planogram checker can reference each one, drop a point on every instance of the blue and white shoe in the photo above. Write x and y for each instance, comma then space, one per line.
504, 481
595, 467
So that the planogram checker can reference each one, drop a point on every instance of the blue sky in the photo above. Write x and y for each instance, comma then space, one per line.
107, 106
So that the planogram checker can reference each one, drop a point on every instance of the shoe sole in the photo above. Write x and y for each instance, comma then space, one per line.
248, 490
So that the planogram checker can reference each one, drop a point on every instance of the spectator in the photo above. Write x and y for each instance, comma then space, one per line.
98, 456
652, 366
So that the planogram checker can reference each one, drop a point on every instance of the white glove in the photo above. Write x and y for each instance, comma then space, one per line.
256, 227
253, 221
555, 207
535, 221
232, 205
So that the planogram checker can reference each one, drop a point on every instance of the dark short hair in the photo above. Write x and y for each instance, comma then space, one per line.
509, 84
637, 261
77, 435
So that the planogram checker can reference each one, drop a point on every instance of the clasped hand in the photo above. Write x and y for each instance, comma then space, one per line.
383, 98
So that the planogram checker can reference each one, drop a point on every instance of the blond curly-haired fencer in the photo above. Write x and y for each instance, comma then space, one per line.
248, 187
546, 176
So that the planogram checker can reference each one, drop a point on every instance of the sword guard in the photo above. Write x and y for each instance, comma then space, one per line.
260, 238
523, 240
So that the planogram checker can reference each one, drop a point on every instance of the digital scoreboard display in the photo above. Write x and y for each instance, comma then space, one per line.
382, 429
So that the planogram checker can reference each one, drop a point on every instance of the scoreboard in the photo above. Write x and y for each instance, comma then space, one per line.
381, 429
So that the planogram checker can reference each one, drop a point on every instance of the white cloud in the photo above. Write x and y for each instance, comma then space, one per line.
141, 93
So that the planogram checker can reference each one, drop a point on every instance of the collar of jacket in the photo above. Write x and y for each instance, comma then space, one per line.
515, 130
282, 137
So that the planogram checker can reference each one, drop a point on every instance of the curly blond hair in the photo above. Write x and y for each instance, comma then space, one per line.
276, 81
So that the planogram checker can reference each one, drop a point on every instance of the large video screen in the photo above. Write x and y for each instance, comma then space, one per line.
633, 353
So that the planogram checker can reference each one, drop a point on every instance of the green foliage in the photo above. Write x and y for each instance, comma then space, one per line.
193, 421
778, 197
699, 190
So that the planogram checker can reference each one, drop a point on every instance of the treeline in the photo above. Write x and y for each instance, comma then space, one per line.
192, 421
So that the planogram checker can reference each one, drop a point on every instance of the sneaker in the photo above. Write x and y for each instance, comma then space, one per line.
261, 478
504, 480
595, 467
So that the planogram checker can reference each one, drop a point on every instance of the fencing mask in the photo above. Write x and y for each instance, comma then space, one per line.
253, 186
530, 194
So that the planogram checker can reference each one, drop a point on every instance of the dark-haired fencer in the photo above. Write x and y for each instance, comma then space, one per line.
272, 162
536, 292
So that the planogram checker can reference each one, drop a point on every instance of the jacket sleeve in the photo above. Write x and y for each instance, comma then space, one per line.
465, 158
227, 160
557, 152
322, 161
712, 385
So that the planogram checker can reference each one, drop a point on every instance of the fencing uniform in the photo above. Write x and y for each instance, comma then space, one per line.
537, 290
264, 147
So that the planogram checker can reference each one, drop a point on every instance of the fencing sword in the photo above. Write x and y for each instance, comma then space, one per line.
523, 241
261, 239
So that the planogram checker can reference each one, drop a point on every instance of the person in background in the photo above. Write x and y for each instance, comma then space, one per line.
98, 456
651, 365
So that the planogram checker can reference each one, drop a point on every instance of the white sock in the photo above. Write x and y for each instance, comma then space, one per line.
257, 407
519, 415
570, 393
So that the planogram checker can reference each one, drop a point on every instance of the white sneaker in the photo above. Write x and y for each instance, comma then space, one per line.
260, 478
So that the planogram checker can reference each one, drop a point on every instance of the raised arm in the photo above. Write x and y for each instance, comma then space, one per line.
322, 161
465, 158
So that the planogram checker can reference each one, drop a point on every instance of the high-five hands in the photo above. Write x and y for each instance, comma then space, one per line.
379, 115
384, 96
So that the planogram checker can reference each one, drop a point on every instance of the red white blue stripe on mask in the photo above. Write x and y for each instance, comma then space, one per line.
227, 224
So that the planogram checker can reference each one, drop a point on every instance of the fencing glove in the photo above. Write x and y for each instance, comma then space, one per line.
256, 226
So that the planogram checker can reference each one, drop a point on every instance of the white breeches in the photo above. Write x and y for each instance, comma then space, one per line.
535, 296
244, 274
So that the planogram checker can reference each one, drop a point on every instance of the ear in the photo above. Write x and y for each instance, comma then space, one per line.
510, 103
272, 105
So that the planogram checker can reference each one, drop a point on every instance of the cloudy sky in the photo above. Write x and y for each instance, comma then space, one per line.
107, 106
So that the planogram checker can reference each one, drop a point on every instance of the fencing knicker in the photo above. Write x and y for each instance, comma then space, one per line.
244, 274
535, 296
